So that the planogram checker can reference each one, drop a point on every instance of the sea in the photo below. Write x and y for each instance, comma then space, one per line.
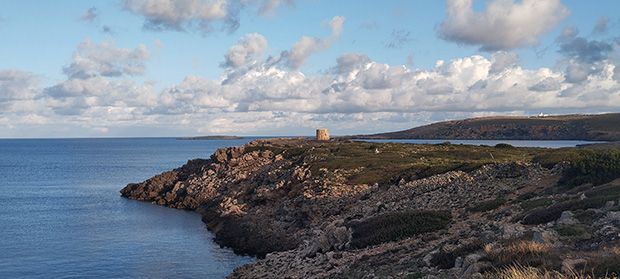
62, 216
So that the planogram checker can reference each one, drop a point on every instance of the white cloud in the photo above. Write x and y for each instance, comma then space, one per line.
268, 7
17, 85
336, 25
171, 14
306, 46
248, 49
301, 50
503, 25
184, 15
105, 59
503, 60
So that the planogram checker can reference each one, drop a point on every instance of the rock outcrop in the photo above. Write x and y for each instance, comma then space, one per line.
259, 199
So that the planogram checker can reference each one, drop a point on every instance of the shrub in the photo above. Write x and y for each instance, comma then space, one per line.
570, 231
597, 168
544, 215
526, 196
488, 205
531, 204
504, 145
397, 226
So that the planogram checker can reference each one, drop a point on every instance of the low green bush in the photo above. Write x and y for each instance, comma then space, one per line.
553, 212
535, 203
504, 145
570, 231
597, 168
397, 226
526, 196
488, 205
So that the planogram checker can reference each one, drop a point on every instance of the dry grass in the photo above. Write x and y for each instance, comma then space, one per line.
528, 272
526, 259
524, 253
525, 272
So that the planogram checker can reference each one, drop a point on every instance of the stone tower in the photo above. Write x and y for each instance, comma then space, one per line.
322, 134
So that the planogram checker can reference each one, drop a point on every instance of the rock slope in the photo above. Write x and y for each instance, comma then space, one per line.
261, 201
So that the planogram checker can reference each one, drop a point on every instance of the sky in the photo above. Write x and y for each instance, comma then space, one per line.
168, 68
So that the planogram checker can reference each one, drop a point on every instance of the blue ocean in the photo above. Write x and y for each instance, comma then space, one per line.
62, 216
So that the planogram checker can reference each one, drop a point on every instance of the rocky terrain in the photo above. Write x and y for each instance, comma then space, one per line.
308, 211
602, 127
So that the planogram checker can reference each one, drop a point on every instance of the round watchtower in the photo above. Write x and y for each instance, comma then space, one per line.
322, 134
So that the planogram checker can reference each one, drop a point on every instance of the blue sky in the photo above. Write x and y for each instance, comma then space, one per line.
286, 67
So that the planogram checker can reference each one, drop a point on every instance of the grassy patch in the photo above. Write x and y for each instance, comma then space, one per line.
386, 163
524, 253
397, 226
606, 264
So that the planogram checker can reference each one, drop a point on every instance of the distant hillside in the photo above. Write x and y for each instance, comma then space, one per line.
602, 127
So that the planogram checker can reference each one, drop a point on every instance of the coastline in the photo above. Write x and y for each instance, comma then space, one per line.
260, 199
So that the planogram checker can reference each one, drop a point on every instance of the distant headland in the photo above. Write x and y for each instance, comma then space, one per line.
212, 138
600, 127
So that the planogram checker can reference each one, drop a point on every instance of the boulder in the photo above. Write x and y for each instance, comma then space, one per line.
567, 219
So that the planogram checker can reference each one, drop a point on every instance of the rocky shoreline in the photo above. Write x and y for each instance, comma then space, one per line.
260, 201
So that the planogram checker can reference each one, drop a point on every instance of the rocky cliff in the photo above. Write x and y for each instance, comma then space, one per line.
269, 198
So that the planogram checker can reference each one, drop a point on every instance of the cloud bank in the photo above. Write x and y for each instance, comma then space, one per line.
265, 92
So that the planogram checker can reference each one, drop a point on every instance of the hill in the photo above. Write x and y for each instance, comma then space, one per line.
601, 127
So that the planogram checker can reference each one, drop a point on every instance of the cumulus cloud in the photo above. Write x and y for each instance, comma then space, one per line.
96, 81
336, 24
349, 62
547, 84
503, 60
106, 59
503, 25
17, 85
585, 58
306, 46
177, 15
20, 99
184, 15
584, 50
301, 50
249, 48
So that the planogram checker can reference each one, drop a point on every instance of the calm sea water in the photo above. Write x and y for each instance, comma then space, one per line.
62, 216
